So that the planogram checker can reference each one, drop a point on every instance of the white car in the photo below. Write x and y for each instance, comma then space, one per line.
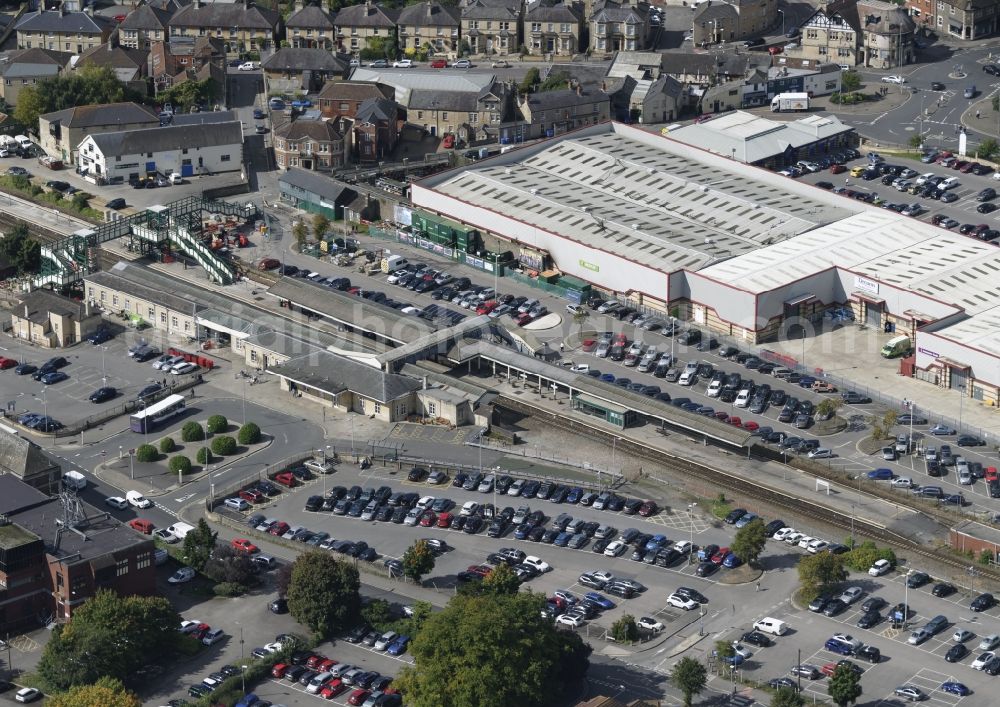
165, 535
980, 662
879, 568
793, 537
817, 545
537, 563
615, 548
783, 534
903, 482
714, 389
138, 500
573, 620
188, 626
249, 66
649, 624
182, 368
821, 453
184, 574
165, 363
893, 78
682, 602
403, 64
804, 541
949, 183
685, 547
567, 597
385, 640
469, 508
425, 502
116, 502
27, 694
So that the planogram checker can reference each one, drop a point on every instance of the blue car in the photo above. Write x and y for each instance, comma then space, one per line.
839, 647
599, 599
28, 418
54, 377
608, 378
656, 542
731, 561
258, 113
562, 540
880, 475
955, 688
735, 659
574, 495
745, 520
398, 647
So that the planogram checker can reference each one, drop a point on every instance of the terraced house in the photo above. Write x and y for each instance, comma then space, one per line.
143, 26
243, 27
311, 27
365, 26
553, 28
833, 34
428, 23
967, 19
492, 27
619, 26
62, 31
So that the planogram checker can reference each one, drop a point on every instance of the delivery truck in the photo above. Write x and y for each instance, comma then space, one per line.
785, 102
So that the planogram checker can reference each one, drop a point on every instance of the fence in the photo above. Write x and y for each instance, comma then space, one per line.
529, 452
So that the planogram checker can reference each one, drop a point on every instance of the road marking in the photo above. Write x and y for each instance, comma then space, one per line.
185, 498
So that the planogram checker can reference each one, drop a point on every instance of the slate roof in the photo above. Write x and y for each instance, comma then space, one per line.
556, 12
310, 17
24, 63
564, 98
712, 64
100, 115
132, 142
146, 18
364, 15
296, 60
375, 109
314, 183
57, 22
20, 457
225, 15
40, 303
714, 10
23, 70
492, 10
614, 11
427, 14
464, 101
333, 374
319, 130
354, 91
116, 57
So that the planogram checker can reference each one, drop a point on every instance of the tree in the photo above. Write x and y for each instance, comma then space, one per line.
217, 424
249, 433
916, 140
167, 445
829, 406
204, 455
106, 692
19, 249
223, 445
787, 697
988, 148
179, 464
229, 566
146, 453
750, 541
511, 638
531, 79
689, 676
418, 560
579, 317
502, 580
320, 225
554, 81
110, 635
300, 233
81, 200
199, 544
850, 81
624, 629
845, 686
378, 614
323, 593
89, 85
889, 420
819, 571
724, 650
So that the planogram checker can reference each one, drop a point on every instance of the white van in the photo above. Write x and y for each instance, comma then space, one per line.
392, 263
773, 626
22, 141
138, 500
688, 377
180, 530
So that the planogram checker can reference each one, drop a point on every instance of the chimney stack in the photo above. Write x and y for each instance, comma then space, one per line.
430, 10
299, 5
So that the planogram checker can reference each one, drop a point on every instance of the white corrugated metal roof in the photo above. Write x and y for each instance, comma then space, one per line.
981, 331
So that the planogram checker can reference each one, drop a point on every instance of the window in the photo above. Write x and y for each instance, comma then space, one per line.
114, 300
821, 50
224, 158
432, 409
812, 34
536, 26
184, 151
601, 28
143, 560
550, 26
253, 355
444, 116
564, 28
104, 295
163, 317
122, 567
401, 410
378, 408
187, 325
473, 118
345, 106
505, 25
173, 322
150, 312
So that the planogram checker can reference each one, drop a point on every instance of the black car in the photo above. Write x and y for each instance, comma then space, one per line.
755, 638
313, 503
53, 364
783, 684
102, 394
773, 527
873, 604
943, 589
993, 667
956, 653
833, 607
917, 580
869, 619
100, 336
267, 488
692, 594
632, 506
151, 389
819, 603
278, 606
869, 653
983, 602
735, 515
704, 569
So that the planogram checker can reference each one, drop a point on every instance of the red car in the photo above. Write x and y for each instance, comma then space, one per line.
448, 142
648, 508
279, 528
751, 426
735, 421
589, 345
200, 632
268, 264
324, 666
722, 416
620, 340
718, 557
278, 671
428, 519
775, 50
315, 660
244, 545
970, 167
332, 689
286, 478
142, 525
444, 520
252, 495
828, 669
481, 570
439, 64
837, 169
486, 307
358, 697
523, 319
6, 363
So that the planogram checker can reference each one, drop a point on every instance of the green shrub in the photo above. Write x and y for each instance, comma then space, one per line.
204, 455
146, 453
167, 445
223, 445
192, 432
180, 464
229, 589
249, 433
217, 424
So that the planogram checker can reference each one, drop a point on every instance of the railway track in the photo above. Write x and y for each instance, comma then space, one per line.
744, 487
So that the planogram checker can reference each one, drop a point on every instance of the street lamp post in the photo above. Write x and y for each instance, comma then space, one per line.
782, 13
691, 507
244, 379
104, 369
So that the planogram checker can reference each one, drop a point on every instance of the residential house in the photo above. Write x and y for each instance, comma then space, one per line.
291, 70
694, 68
243, 27
311, 27
189, 59
832, 33
185, 149
619, 25
717, 21
26, 67
551, 113
375, 130
645, 100
309, 144
492, 27
61, 30
61, 132
51, 321
130, 66
553, 28
143, 26
471, 116
888, 39
344, 98
431, 24
966, 19
364, 26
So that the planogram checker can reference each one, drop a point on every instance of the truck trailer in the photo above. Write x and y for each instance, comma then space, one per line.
784, 102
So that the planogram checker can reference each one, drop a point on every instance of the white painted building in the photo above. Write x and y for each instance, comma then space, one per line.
186, 149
